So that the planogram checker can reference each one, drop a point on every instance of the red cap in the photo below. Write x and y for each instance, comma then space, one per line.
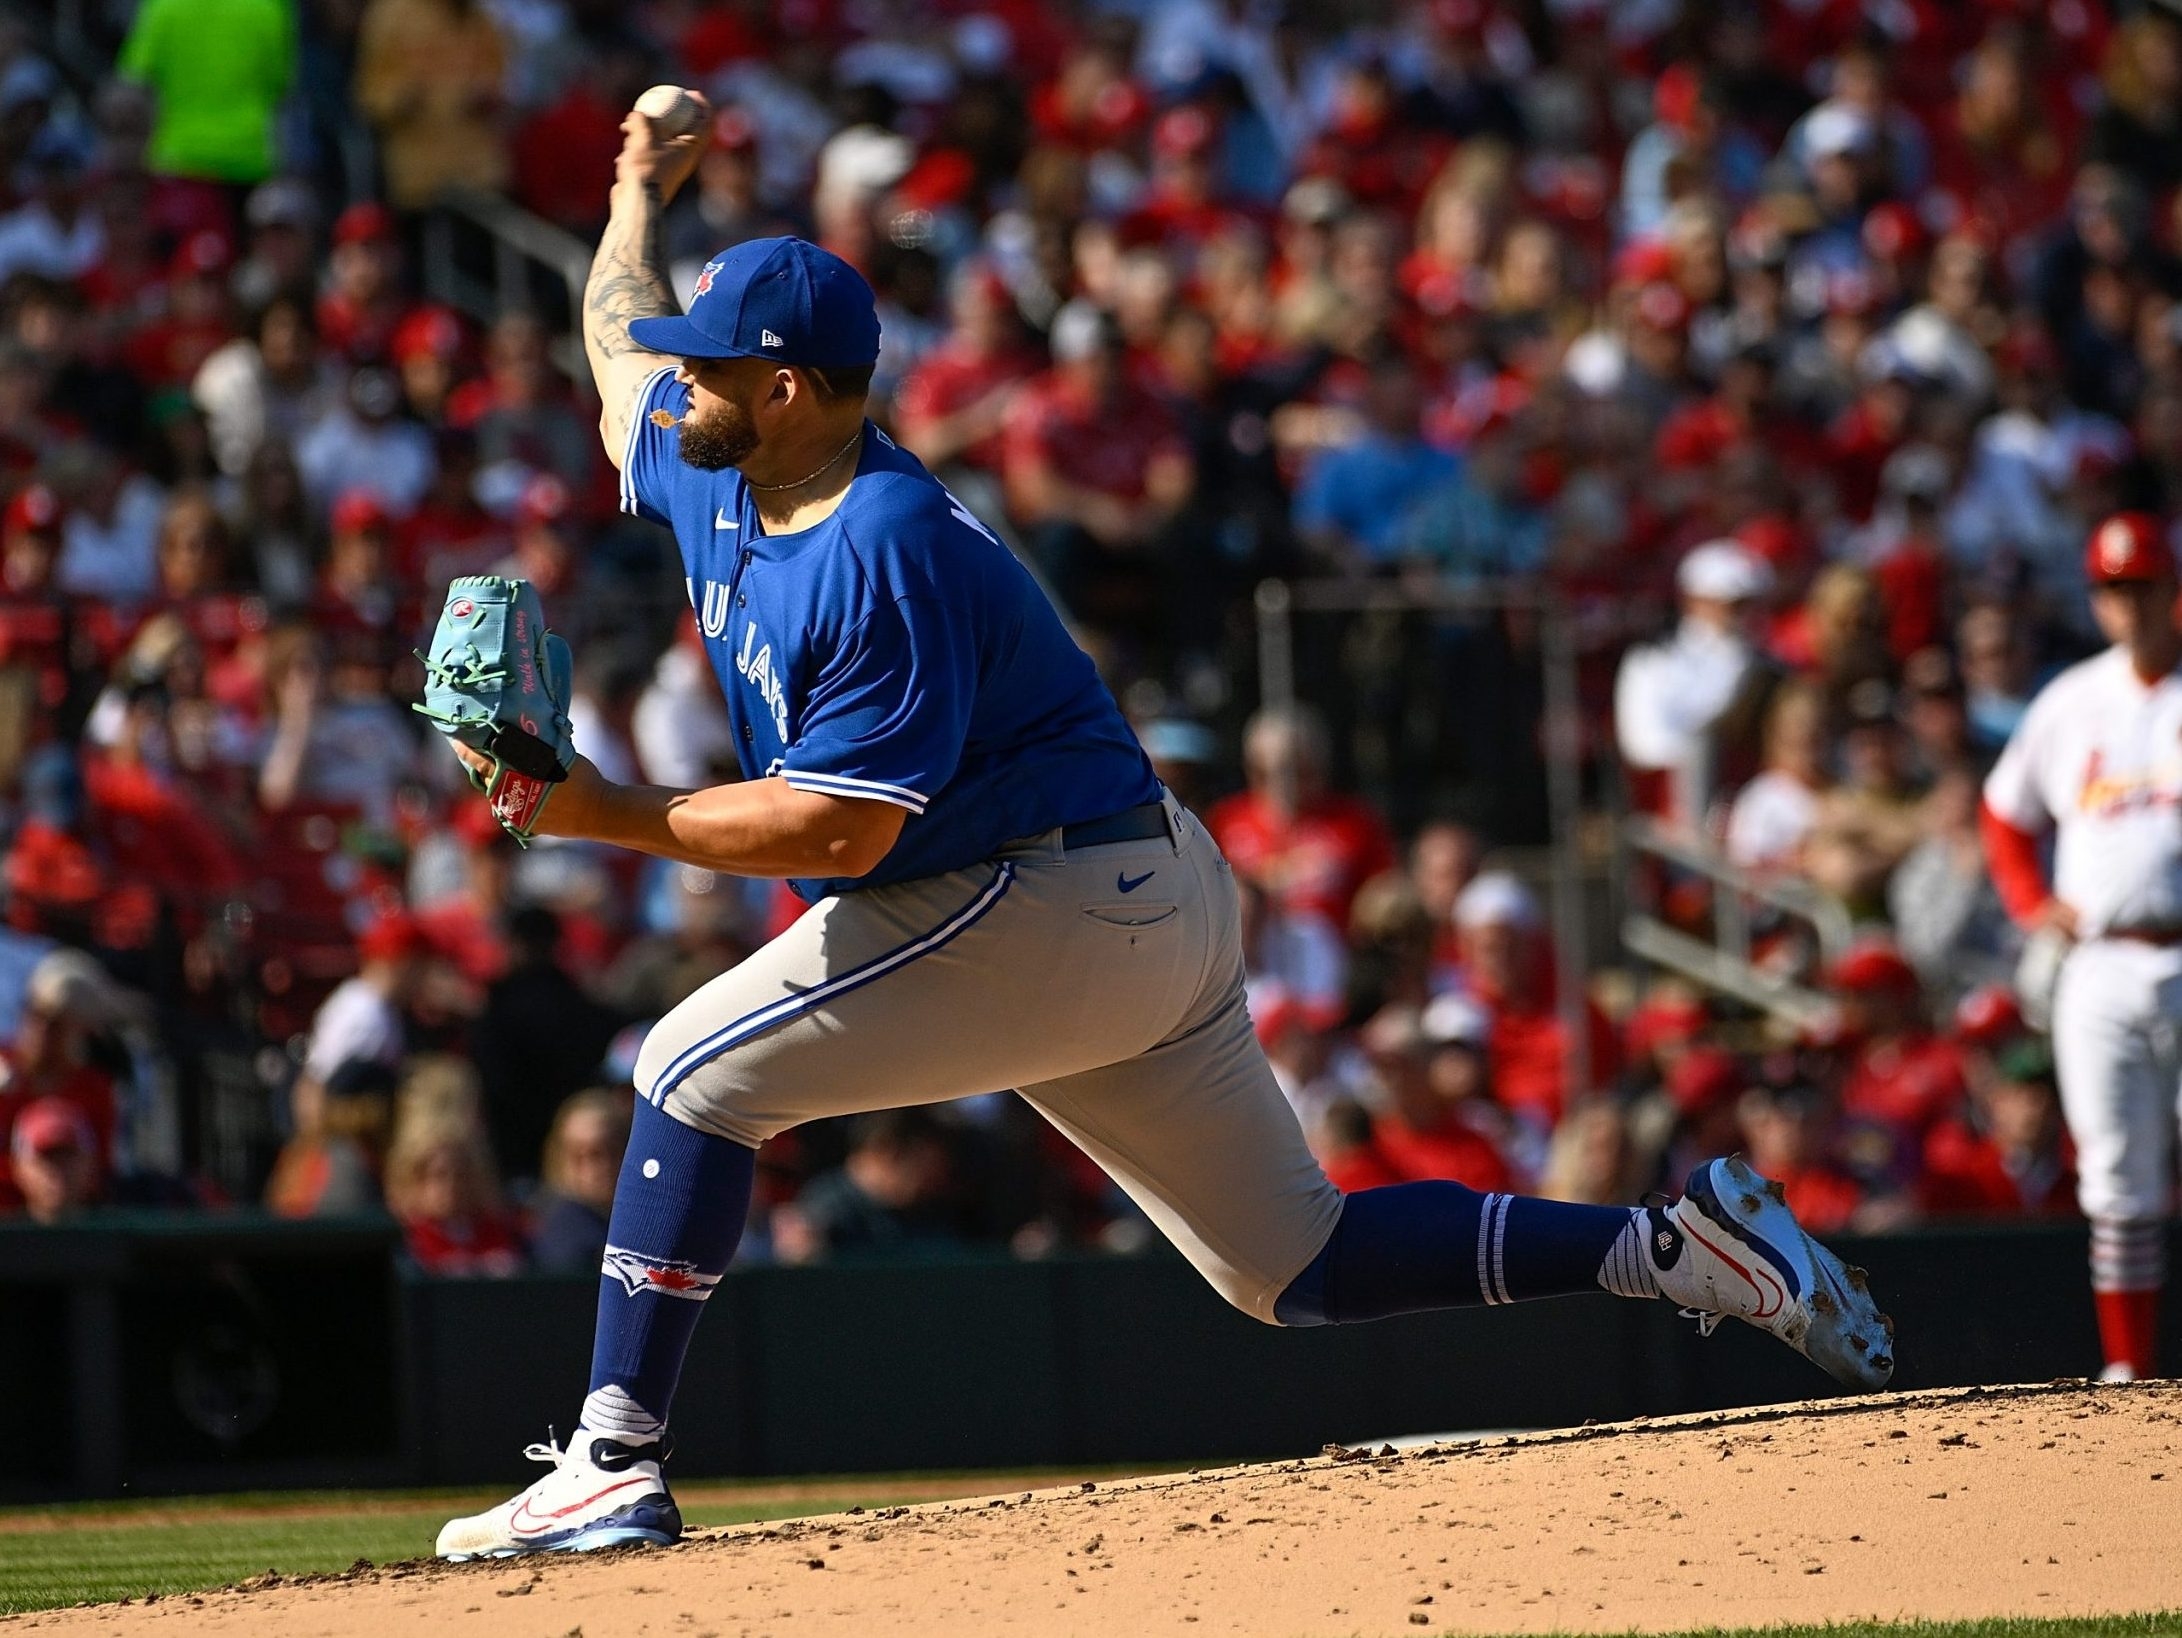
2127, 546
545, 499
35, 508
1662, 1019
1873, 966
51, 1124
1644, 261
474, 823
360, 223
1674, 97
394, 935
1182, 133
428, 332
1988, 1015
1773, 538
201, 255
1892, 231
356, 509
734, 129
941, 178
1703, 1078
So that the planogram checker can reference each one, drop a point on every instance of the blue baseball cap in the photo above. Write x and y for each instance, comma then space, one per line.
783, 299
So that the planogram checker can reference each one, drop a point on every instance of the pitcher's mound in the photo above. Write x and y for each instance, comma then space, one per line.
2059, 1500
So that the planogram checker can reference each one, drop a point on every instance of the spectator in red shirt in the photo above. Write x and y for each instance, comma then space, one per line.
952, 407
62, 879
198, 322
1422, 1126
194, 578
1507, 963
1788, 1132
564, 154
428, 348
442, 1187
358, 591
53, 1061
522, 411
44, 634
362, 302
1997, 154
450, 533
1181, 210
2011, 1156
1096, 471
1307, 846
1904, 1077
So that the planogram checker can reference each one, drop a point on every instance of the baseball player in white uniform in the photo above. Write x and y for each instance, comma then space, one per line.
1001, 896
2098, 760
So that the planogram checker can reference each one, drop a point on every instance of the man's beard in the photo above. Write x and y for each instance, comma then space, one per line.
723, 437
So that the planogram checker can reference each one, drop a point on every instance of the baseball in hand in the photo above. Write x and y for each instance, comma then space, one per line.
673, 111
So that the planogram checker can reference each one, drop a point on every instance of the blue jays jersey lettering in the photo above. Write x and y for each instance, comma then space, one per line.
896, 651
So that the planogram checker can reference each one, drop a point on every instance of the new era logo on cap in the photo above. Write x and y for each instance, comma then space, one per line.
766, 338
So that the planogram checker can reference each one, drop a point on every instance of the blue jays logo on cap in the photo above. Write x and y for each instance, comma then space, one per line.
784, 299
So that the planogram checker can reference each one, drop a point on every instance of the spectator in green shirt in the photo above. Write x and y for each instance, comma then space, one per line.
217, 70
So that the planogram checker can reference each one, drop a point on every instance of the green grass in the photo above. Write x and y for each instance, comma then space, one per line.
99, 1553
2089, 1626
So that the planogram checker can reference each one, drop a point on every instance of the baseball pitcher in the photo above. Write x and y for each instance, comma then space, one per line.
2097, 760
1001, 894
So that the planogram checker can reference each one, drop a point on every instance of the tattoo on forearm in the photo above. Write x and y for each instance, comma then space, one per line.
628, 281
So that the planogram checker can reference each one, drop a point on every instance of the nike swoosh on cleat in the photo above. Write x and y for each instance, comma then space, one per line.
1122, 883
543, 1521
1779, 1290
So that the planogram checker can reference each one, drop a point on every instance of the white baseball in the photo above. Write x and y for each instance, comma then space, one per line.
673, 111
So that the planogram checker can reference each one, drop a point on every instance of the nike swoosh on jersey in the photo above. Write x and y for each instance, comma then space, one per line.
723, 521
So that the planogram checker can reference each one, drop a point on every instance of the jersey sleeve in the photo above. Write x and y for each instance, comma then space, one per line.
886, 718
651, 460
2013, 790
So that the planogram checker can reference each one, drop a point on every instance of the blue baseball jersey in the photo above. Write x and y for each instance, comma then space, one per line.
896, 651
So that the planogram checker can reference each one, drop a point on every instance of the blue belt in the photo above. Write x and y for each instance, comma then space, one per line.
1137, 824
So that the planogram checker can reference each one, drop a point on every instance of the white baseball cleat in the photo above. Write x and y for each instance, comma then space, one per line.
601, 1493
1743, 1254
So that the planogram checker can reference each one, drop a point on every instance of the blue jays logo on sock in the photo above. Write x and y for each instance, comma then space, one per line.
638, 1273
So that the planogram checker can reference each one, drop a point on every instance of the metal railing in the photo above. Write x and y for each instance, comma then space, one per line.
1726, 963
520, 249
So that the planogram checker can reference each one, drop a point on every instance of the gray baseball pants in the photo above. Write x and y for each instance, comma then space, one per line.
1104, 984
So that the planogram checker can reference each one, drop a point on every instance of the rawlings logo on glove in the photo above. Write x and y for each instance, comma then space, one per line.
499, 682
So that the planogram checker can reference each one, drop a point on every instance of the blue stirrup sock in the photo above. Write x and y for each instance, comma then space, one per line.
1410, 1247
679, 1207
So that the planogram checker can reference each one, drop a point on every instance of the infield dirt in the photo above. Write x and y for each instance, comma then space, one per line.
2058, 1500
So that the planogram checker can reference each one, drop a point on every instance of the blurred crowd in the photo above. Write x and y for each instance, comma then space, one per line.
1784, 351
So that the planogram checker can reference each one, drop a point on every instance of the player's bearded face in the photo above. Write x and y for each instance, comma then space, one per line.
717, 433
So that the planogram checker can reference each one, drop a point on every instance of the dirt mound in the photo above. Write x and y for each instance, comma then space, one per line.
2013, 1501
